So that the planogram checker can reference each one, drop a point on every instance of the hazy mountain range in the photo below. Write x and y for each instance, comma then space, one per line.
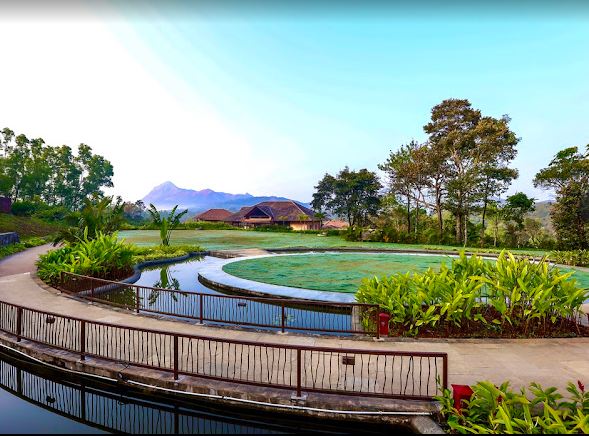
166, 195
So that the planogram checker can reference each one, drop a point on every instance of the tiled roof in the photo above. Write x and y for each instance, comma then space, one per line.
213, 215
335, 224
277, 211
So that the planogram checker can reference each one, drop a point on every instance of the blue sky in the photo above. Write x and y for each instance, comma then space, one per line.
307, 93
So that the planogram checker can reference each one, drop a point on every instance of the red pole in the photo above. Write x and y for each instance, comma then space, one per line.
18, 323
175, 357
83, 340
299, 373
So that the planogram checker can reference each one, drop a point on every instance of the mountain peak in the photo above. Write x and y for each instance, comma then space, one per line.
167, 195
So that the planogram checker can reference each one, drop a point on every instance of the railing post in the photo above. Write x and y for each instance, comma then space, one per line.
18, 324
92, 289
299, 373
376, 322
82, 340
283, 318
445, 372
137, 299
201, 307
175, 357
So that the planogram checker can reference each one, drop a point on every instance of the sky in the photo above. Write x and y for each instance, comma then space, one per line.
265, 97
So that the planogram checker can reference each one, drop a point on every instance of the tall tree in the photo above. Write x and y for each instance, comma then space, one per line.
351, 194
568, 175
468, 142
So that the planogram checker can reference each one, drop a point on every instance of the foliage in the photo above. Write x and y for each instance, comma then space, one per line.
98, 217
30, 170
27, 226
573, 258
165, 224
500, 410
161, 252
103, 256
511, 296
568, 175
10, 249
351, 194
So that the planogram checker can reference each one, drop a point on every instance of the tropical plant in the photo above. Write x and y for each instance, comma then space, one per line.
98, 217
511, 296
103, 256
165, 224
573, 257
500, 410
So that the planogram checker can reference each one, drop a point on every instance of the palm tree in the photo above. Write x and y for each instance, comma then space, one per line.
165, 224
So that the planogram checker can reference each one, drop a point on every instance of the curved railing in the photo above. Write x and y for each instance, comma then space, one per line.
282, 314
343, 371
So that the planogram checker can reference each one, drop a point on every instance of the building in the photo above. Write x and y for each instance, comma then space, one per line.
213, 215
335, 225
282, 213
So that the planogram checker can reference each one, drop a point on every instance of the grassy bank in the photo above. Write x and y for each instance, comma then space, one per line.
239, 239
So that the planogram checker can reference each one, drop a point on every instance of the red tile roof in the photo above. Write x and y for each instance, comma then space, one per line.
213, 215
278, 211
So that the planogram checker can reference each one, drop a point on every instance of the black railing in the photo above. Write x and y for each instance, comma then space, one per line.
270, 313
344, 371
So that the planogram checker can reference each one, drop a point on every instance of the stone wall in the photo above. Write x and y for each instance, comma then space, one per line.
8, 238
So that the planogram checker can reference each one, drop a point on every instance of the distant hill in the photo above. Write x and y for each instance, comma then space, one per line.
542, 213
166, 195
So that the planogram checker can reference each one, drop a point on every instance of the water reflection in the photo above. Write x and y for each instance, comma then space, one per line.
184, 276
34, 398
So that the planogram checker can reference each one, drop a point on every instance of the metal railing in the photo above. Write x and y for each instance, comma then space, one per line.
272, 313
371, 373
113, 412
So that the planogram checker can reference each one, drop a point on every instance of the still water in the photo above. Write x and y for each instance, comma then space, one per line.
38, 399
183, 276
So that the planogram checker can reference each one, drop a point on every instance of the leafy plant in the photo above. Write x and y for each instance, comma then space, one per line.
165, 224
103, 256
573, 257
98, 217
493, 409
511, 296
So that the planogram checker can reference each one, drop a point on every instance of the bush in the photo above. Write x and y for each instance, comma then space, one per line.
500, 410
205, 225
508, 297
102, 257
573, 258
144, 254
25, 208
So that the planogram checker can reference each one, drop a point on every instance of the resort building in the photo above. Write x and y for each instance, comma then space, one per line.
284, 213
213, 215
335, 225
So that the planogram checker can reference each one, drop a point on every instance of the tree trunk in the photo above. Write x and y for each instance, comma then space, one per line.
408, 215
439, 212
483, 229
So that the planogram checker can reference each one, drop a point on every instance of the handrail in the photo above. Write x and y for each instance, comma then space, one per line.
302, 368
276, 313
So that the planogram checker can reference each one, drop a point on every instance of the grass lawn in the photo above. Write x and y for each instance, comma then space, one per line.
26, 227
341, 272
240, 239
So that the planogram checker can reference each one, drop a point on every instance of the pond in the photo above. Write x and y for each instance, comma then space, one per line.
37, 399
183, 276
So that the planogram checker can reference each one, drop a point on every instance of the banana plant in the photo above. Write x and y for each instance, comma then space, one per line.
165, 224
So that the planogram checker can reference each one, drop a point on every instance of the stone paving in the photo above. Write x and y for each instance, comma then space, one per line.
547, 361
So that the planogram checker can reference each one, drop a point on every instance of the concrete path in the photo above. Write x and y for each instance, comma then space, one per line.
22, 262
551, 362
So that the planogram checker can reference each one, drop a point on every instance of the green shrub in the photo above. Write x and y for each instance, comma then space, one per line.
500, 410
507, 297
573, 258
144, 254
205, 225
25, 208
103, 257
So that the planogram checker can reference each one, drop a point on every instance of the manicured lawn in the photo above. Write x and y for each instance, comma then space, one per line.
240, 239
342, 272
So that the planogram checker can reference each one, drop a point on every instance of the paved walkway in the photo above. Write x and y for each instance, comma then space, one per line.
22, 262
547, 361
